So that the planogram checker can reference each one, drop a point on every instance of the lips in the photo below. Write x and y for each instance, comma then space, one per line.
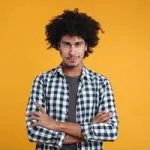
72, 58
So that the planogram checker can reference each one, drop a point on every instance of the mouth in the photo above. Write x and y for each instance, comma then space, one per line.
72, 58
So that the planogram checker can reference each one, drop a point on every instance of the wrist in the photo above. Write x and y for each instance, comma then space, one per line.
60, 126
57, 126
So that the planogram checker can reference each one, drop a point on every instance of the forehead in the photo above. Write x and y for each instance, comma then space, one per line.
71, 39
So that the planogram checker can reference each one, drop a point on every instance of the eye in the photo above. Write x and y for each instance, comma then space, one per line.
78, 44
66, 44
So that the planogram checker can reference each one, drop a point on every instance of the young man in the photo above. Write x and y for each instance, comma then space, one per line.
71, 107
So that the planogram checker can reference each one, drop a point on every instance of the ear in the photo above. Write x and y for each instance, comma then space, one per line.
85, 47
58, 48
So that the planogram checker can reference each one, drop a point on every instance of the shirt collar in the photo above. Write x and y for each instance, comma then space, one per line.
85, 73
58, 71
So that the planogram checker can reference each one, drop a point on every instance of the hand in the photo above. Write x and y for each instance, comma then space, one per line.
42, 119
102, 117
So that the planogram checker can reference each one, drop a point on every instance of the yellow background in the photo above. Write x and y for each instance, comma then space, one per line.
123, 55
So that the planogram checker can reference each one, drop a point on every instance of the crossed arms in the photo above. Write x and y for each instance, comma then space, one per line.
48, 130
72, 130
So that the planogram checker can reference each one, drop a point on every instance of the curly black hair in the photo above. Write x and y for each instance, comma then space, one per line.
73, 23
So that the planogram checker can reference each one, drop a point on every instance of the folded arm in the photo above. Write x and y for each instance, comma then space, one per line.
72, 130
104, 131
40, 133
88, 131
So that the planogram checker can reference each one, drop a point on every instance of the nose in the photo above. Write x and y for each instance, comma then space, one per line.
72, 50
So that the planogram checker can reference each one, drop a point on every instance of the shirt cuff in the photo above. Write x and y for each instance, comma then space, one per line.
60, 139
86, 130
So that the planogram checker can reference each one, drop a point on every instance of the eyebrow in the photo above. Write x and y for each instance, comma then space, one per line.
70, 43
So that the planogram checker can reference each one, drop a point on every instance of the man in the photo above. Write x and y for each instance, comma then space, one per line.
71, 107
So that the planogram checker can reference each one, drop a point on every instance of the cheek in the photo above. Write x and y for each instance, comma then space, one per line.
63, 54
82, 53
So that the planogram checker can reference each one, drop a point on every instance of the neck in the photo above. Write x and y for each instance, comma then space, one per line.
72, 71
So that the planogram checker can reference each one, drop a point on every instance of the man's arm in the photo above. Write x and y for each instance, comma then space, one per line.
73, 130
43, 120
39, 133
90, 131
102, 117
105, 131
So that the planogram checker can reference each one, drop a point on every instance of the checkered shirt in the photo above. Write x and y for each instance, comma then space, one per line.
94, 95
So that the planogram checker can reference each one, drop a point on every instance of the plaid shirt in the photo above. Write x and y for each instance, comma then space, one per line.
94, 95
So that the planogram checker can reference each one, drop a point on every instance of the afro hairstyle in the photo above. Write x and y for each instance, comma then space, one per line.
73, 23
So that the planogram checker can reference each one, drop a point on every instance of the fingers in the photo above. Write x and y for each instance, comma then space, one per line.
35, 124
34, 113
98, 115
41, 109
36, 117
102, 117
32, 117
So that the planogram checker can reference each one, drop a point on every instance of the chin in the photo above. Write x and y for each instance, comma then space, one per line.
72, 65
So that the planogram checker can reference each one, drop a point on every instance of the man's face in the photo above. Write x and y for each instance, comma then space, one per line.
72, 49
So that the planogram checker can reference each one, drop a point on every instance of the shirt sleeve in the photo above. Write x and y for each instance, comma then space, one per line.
103, 131
38, 133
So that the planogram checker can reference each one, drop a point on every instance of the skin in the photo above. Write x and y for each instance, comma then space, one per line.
72, 49
73, 130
